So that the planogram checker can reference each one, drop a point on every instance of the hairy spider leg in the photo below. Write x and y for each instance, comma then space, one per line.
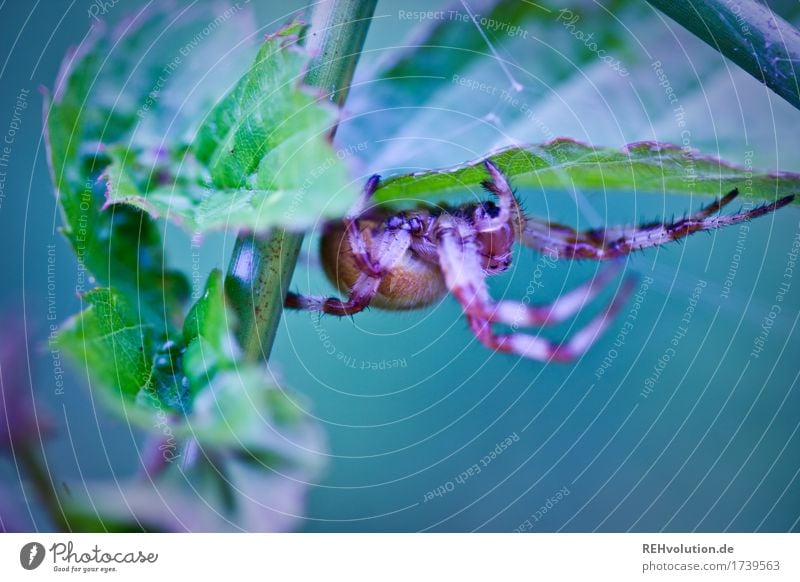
498, 185
460, 263
392, 246
537, 348
616, 241
355, 237
462, 253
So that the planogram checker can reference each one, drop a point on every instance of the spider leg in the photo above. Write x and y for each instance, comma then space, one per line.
360, 296
560, 309
616, 241
510, 211
498, 185
391, 248
538, 348
355, 237
460, 263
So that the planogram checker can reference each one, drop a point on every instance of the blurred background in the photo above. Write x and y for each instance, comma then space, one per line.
685, 421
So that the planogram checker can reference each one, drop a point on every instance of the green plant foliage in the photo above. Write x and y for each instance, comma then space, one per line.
126, 357
262, 158
127, 360
249, 443
210, 346
244, 409
257, 115
598, 74
242, 441
250, 150
641, 167
79, 121
198, 379
294, 198
113, 346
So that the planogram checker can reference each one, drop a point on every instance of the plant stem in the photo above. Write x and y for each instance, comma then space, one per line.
748, 33
261, 266
336, 37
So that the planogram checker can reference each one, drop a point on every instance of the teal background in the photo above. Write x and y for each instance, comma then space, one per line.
713, 448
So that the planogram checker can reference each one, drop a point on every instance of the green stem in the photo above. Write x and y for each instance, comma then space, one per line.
336, 37
258, 278
261, 267
748, 33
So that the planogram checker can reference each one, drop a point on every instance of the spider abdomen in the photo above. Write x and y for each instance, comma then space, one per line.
412, 284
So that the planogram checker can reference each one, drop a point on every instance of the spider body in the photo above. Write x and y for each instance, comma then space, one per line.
413, 283
416, 280
410, 260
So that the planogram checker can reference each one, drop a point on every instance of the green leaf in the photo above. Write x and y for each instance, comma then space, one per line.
262, 159
210, 345
207, 317
126, 359
160, 71
113, 345
224, 496
675, 89
257, 115
297, 185
122, 247
567, 164
65, 116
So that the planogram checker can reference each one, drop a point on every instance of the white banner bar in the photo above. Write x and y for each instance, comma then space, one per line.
401, 557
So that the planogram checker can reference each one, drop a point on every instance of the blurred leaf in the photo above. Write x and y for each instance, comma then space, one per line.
111, 343
242, 464
457, 85
185, 502
448, 96
642, 167
750, 34
265, 156
210, 345
243, 409
122, 248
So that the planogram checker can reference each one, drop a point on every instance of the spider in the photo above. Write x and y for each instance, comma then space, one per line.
411, 259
